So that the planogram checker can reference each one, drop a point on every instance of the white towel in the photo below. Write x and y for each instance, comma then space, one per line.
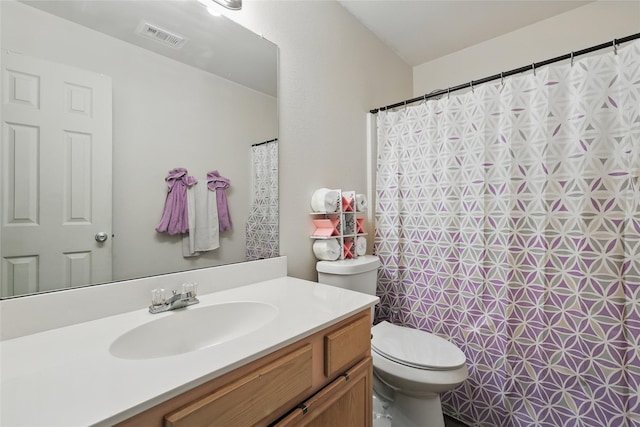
326, 250
325, 200
361, 246
202, 209
361, 202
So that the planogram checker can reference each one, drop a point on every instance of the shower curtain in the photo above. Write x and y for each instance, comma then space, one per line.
508, 221
262, 227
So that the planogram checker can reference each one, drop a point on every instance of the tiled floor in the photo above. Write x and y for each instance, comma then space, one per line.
382, 417
450, 422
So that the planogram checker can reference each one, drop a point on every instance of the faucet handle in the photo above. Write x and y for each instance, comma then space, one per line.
157, 297
190, 289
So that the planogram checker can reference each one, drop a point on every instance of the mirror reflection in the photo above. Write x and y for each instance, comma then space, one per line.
99, 105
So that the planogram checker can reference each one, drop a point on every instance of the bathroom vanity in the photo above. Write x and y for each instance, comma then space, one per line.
321, 380
304, 361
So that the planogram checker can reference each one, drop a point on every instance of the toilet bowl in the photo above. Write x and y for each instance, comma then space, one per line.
415, 367
411, 367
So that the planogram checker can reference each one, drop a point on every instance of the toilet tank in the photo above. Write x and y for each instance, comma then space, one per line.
359, 274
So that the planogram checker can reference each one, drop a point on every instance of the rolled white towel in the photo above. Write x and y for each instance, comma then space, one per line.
361, 246
326, 250
361, 202
325, 200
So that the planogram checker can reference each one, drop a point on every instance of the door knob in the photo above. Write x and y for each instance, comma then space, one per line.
101, 237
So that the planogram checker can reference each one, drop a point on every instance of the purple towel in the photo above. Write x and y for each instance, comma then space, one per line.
175, 219
219, 184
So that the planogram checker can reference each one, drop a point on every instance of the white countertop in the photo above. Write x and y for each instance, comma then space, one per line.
67, 376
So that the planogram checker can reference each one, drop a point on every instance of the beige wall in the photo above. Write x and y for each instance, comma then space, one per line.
165, 115
332, 72
580, 28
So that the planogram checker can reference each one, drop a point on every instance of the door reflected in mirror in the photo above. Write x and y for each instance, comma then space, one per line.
100, 109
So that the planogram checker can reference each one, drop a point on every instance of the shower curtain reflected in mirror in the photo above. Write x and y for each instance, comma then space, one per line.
262, 226
508, 220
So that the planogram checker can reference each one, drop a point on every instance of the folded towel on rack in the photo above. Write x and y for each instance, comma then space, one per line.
325, 200
326, 250
361, 246
174, 218
188, 243
219, 184
204, 232
361, 203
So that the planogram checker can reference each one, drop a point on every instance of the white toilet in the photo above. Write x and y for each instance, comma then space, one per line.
411, 367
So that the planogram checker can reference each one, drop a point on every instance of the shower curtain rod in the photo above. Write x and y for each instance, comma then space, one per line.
265, 142
501, 76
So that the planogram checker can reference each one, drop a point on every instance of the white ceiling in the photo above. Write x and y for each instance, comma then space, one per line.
422, 30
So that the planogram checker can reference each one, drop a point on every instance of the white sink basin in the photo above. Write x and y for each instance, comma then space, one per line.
195, 328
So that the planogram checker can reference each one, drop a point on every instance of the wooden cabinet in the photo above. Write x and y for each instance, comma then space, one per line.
322, 380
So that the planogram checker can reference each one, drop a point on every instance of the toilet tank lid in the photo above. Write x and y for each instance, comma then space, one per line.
357, 265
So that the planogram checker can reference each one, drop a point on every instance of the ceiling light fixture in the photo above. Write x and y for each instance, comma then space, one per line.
212, 5
213, 11
230, 4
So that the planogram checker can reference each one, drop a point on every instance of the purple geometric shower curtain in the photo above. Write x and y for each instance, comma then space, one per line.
508, 221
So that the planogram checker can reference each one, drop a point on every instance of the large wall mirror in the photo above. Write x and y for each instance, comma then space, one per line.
100, 100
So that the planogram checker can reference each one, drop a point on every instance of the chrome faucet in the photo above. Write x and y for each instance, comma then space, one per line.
178, 300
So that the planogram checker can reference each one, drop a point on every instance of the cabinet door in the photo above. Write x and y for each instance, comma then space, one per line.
347, 345
347, 401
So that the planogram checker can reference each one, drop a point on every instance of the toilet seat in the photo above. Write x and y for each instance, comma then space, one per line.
415, 348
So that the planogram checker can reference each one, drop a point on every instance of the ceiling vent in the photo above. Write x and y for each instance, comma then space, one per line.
162, 36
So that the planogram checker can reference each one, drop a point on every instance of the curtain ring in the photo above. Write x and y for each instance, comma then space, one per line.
501, 78
448, 92
615, 46
533, 67
572, 59
471, 84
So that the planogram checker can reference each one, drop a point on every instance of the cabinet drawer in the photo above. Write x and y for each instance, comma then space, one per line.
251, 398
346, 345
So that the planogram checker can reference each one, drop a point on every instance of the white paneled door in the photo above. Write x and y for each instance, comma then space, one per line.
56, 175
